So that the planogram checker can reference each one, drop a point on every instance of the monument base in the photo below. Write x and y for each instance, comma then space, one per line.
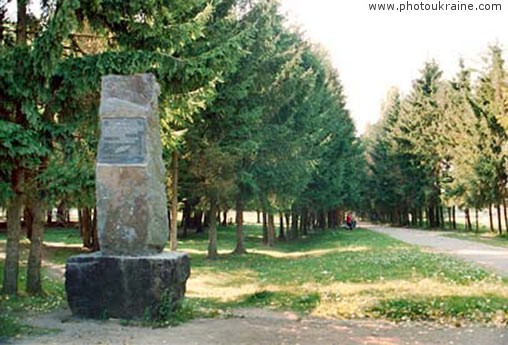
127, 287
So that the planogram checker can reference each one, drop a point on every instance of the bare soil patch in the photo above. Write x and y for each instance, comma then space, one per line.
259, 326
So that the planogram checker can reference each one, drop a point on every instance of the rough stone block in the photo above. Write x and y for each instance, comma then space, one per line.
124, 287
131, 191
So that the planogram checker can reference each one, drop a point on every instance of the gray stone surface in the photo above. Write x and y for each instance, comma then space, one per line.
130, 174
128, 287
130, 276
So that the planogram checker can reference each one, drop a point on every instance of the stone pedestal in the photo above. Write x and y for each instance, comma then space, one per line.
124, 286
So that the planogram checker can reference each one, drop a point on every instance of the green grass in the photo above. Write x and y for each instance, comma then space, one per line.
338, 274
64, 236
14, 308
485, 237
331, 256
474, 308
346, 274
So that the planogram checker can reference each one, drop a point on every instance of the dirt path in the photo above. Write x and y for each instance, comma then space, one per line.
260, 327
493, 258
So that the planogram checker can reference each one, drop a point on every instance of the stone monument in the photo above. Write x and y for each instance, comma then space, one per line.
130, 274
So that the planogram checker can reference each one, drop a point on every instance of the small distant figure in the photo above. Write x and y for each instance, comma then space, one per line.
350, 221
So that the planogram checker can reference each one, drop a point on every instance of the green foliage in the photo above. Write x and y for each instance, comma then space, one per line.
444, 146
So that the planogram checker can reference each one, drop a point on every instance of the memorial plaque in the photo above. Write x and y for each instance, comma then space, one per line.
122, 141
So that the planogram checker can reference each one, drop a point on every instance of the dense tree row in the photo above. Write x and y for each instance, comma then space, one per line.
442, 146
252, 116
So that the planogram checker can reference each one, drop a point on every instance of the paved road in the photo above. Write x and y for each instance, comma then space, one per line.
493, 258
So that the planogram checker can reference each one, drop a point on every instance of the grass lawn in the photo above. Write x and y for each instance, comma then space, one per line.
486, 237
332, 274
345, 275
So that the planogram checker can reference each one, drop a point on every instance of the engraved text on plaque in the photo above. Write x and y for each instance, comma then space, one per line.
122, 141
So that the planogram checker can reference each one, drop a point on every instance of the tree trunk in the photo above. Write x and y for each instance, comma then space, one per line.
11, 263
198, 221
430, 220
258, 217
49, 217
212, 230
332, 219
294, 223
86, 226
225, 218
173, 233
271, 230
441, 217
21, 23
304, 222
282, 236
477, 228
265, 228
240, 241
450, 217
288, 224
61, 215
454, 221
28, 221
186, 217
206, 219
95, 235
491, 220
505, 215
33, 279
499, 223
468, 220
15, 205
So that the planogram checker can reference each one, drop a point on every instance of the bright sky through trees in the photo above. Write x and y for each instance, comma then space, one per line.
374, 50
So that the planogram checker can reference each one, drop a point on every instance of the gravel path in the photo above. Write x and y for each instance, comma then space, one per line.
493, 258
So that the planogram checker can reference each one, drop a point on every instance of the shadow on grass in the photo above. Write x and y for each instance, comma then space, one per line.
278, 300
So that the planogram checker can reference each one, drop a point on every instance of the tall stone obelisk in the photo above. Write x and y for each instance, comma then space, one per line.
131, 193
130, 274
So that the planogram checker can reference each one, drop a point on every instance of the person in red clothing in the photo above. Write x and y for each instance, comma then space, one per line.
349, 221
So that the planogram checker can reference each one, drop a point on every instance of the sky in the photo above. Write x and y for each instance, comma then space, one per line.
376, 50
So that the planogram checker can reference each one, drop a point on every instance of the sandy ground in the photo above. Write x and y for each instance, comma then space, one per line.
261, 327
